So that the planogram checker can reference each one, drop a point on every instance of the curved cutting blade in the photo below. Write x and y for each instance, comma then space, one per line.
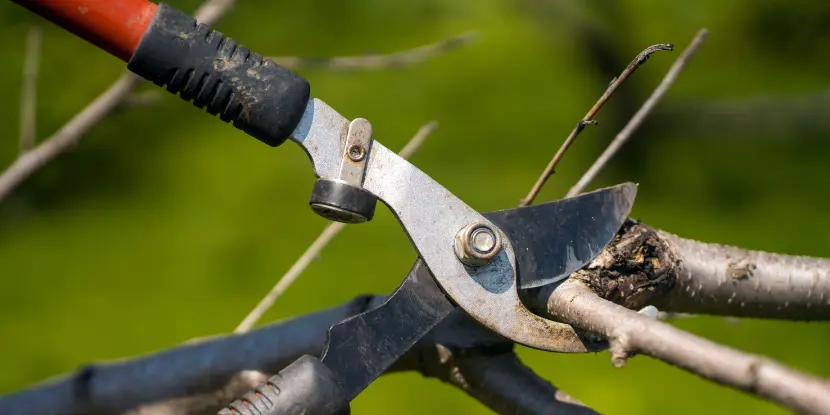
554, 239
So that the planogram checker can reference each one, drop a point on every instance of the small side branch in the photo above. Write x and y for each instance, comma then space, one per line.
630, 332
589, 119
640, 116
379, 61
66, 138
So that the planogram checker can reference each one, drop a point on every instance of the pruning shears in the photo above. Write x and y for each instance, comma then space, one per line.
475, 261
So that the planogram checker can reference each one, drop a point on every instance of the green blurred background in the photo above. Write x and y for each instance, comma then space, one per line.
164, 224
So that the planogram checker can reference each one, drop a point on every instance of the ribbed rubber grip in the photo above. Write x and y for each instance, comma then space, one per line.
260, 97
305, 387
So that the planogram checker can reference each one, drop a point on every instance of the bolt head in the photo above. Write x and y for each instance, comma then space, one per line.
483, 240
356, 153
477, 244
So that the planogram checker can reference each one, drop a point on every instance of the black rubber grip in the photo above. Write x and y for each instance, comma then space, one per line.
260, 97
305, 387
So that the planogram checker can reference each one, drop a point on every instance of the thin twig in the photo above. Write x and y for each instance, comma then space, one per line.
28, 94
589, 119
641, 114
28, 163
68, 135
379, 61
418, 139
313, 251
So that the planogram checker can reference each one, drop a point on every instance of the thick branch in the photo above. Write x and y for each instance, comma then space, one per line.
630, 332
380, 61
645, 266
201, 376
726, 280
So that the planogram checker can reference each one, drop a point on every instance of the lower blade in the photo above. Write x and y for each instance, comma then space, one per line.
552, 240
362, 347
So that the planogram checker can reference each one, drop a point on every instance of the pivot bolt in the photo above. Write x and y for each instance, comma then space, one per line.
356, 153
477, 244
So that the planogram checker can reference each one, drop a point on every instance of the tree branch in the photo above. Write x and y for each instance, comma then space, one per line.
644, 266
732, 281
640, 116
630, 332
203, 375
379, 61
588, 119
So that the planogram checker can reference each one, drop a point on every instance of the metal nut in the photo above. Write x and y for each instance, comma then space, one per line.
477, 244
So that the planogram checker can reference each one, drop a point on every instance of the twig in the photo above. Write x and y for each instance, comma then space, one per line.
29, 162
68, 135
588, 119
28, 95
379, 61
418, 139
313, 251
630, 332
641, 114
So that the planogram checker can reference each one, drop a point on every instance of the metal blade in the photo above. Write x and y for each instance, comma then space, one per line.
554, 239
362, 347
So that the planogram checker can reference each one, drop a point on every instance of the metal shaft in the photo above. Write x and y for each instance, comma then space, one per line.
115, 26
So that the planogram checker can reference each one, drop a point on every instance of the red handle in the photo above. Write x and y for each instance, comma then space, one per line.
116, 26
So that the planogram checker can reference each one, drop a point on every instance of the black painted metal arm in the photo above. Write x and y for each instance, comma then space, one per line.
207, 366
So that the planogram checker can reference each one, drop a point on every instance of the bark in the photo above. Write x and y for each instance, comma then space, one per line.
644, 266
725, 280
630, 332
